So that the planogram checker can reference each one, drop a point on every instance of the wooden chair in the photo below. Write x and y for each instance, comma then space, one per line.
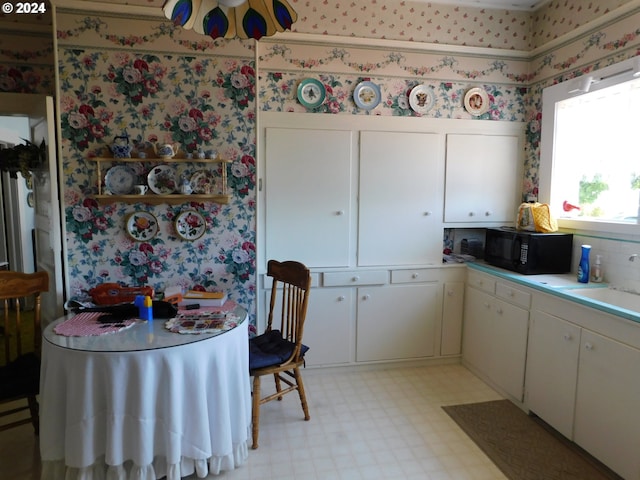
20, 375
279, 350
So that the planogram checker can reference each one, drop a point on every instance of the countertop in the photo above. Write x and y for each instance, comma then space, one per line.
560, 285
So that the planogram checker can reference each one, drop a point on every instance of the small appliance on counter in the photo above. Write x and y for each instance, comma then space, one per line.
528, 253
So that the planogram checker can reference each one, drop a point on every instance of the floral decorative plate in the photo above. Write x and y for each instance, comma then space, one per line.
311, 93
367, 95
476, 101
141, 226
120, 180
421, 99
203, 182
190, 225
162, 179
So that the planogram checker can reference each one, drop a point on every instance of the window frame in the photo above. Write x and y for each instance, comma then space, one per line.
612, 75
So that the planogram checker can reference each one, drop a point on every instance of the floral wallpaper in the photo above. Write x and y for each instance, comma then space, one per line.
188, 98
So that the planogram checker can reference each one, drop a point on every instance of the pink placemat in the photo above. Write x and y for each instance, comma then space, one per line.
87, 324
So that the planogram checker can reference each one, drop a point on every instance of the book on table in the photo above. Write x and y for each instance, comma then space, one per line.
204, 299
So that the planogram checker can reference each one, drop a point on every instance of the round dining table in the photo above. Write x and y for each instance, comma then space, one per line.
144, 402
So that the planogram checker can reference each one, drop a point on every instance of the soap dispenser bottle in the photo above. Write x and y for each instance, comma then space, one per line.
583, 266
596, 270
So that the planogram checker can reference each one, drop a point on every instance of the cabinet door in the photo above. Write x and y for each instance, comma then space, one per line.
396, 322
329, 326
452, 311
482, 178
607, 423
476, 333
552, 370
308, 196
400, 198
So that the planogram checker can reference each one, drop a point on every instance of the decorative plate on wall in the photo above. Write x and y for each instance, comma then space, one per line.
141, 226
162, 179
120, 180
367, 95
476, 101
311, 93
203, 182
190, 225
422, 98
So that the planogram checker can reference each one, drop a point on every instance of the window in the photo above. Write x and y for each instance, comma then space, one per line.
590, 154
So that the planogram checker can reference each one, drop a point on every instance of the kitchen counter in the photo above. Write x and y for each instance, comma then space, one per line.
564, 286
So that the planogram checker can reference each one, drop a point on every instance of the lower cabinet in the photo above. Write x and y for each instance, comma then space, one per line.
396, 322
495, 336
607, 423
552, 369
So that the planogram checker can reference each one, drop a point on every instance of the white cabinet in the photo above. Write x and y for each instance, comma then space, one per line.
400, 198
495, 334
607, 423
452, 312
308, 183
329, 328
552, 369
482, 177
396, 322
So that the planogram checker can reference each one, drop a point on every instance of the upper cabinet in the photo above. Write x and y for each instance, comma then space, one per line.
308, 195
400, 195
483, 178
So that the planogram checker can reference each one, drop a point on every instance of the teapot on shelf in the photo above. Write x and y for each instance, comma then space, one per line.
120, 146
166, 150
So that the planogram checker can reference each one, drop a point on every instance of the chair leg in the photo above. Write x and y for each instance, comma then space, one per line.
34, 410
255, 412
303, 397
276, 378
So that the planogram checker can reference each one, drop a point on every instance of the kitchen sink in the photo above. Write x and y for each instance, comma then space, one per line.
616, 298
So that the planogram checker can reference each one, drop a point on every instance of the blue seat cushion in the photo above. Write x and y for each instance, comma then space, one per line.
270, 349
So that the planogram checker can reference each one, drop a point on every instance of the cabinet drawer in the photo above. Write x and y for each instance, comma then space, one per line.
415, 276
373, 277
481, 282
513, 295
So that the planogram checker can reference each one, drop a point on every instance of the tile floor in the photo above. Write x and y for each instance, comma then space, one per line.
373, 423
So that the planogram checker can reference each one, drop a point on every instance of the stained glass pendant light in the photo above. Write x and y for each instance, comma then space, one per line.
231, 18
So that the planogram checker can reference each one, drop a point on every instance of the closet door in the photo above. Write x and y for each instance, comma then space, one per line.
308, 196
400, 212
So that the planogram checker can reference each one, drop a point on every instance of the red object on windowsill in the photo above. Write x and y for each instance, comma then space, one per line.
567, 207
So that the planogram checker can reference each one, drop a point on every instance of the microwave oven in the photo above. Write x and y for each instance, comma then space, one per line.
528, 253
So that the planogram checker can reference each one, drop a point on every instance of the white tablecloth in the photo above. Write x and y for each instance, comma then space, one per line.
146, 413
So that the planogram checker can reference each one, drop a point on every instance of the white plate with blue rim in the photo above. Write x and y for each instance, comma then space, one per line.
120, 180
367, 95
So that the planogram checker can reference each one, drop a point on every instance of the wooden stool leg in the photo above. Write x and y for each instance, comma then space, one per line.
34, 410
255, 412
303, 396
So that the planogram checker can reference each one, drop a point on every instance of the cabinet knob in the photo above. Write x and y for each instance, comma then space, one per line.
471, 214
511, 293
488, 213
486, 304
340, 213
450, 293
427, 214
341, 298
588, 346
355, 278
415, 275
499, 310
567, 336
366, 297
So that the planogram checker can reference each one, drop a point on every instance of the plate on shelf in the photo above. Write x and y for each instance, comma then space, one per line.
120, 180
141, 226
311, 93
367, 95
203, 182
422, 98
476, 101
162, 180
190, 225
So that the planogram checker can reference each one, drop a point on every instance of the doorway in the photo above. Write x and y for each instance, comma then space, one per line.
17, 221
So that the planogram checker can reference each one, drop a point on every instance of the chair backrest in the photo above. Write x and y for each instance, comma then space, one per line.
14, 287
291, 282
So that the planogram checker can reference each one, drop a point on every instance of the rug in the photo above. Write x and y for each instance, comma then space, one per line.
523, 447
